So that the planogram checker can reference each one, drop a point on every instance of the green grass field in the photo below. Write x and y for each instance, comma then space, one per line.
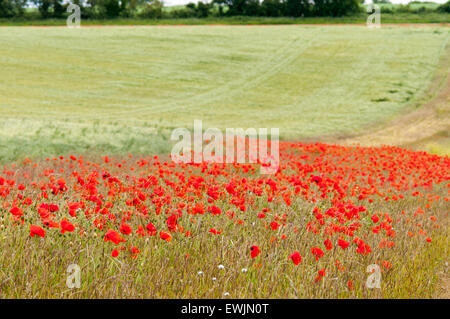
130, 82
387, 18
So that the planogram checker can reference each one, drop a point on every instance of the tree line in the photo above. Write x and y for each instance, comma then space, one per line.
104, 9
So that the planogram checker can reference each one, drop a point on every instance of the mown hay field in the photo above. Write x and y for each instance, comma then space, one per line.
110, 88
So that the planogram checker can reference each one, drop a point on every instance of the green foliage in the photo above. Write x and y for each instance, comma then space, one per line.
444, 8
12, 8
201, 10
335, 8
291, 8
273, 8
112, 8
152, 9
183, 13
239, 7
298, 8
50, 8
413, 7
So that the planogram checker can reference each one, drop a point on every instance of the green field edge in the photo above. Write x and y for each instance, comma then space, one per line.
441, 18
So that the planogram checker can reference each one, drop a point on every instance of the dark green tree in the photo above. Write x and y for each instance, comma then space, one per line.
50, 8
273, 8
298, 8
335, 8
201, 10
239, 7
112, 8
444, 7
12, 8
58, 8
152, 9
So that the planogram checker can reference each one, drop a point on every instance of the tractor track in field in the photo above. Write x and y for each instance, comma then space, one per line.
281, 60
427, 118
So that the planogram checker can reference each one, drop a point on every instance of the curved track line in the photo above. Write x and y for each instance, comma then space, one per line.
288, 54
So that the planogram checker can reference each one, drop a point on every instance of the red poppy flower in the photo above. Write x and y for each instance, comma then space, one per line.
254, 251
350, 285
316, 251
36, 230
274, 225
113, 236
125, 229
50, 223
215, 231
296, 258
66, 226
321, 274
16, 211
134, 251
215, 210
165, 236
328, 244
151, 229
343, 244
